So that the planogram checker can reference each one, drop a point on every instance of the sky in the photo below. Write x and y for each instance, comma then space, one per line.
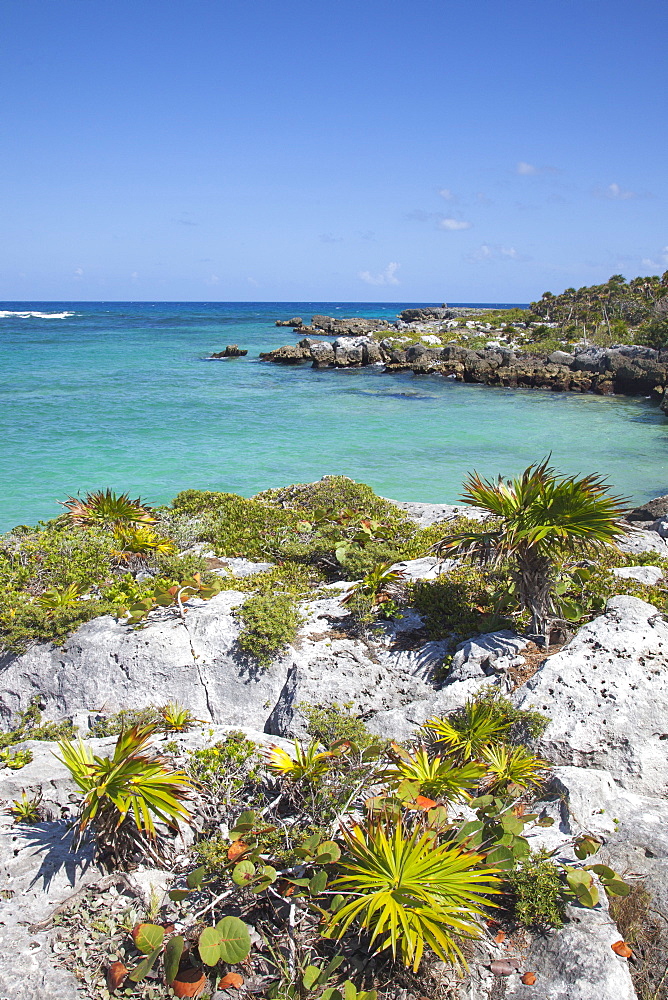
362, 150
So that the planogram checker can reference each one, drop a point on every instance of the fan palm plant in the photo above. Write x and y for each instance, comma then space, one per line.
539, 519
124, 795
410, 892
467, 732
437, 778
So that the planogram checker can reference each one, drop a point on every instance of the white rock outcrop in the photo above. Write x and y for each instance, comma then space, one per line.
606, 693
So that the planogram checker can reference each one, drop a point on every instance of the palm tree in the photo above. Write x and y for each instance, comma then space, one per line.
539, 518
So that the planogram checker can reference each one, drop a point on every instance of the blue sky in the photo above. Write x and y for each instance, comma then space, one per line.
353, 151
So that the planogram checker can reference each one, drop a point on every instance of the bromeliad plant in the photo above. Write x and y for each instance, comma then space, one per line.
540, 519
125, 795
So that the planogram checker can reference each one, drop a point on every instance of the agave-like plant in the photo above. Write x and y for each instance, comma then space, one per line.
375, 583
410, 892
438, 778
177, 719
513, 766
126, 794
540, 518
466, 733
307, 764
140, 541
106, 509
56, 598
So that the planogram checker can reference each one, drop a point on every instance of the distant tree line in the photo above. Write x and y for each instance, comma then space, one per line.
617, 305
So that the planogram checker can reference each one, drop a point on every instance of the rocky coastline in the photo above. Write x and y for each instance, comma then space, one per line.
620, 370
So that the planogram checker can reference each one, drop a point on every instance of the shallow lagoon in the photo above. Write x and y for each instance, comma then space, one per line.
120, 395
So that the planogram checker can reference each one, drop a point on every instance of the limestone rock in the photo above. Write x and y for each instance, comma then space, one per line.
426, 514
640, 540
486, 655
647, 575
426, 568
576, 962
606, 693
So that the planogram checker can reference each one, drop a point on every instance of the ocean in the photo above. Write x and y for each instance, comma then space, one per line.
119, 394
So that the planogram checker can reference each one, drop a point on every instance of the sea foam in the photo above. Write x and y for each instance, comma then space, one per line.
5, 313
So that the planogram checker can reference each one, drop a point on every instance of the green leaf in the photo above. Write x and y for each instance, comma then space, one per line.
195, 878
331, 994
173, 953
586, 846
330, 968
178, 894
243, 873
209, 946
501, 857
147, 937
349, 990
512, 824
602, 871
328, 852
617, 887
310, 977
145, 966
318, 883
234, 940
472, 831
545, 821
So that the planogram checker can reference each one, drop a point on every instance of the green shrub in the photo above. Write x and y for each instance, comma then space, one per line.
329, 723
460, 603
270, 623
359, 562
29, 726
338, 493
113, 725
23, 623
537, 891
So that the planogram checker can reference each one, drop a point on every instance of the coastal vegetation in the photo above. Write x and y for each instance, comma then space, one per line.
540, 521
62, 573
336, 864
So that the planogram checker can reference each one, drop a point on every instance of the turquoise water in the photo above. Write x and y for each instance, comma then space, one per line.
119, 394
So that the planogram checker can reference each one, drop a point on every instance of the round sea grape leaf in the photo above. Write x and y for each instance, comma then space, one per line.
310, 977
617, 887
243, 873
209, 946
195, 878
233, 939
501, 857
328, 852
178, 894
148, 937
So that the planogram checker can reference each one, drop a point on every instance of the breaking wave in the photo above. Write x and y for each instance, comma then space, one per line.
5, 313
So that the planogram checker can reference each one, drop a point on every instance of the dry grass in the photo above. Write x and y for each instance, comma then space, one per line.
646, 931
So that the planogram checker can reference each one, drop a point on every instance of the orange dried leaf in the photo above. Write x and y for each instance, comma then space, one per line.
500, 937
189, 983
529, 978
237, 849
231, 981
116, 974
622, 949
422, 802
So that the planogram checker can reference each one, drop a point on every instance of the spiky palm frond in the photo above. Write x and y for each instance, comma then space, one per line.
306, 765
437, 778
141, 541
410, 892
513, 766
540, 518
466, 733
135, 786
106, 509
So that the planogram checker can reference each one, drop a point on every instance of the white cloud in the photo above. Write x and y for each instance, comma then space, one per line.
657, 263
134, 275
387, 277
617, 193
252, 281
489, 252
78, 272
447, 194
213, 279
453, 225
525, 169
